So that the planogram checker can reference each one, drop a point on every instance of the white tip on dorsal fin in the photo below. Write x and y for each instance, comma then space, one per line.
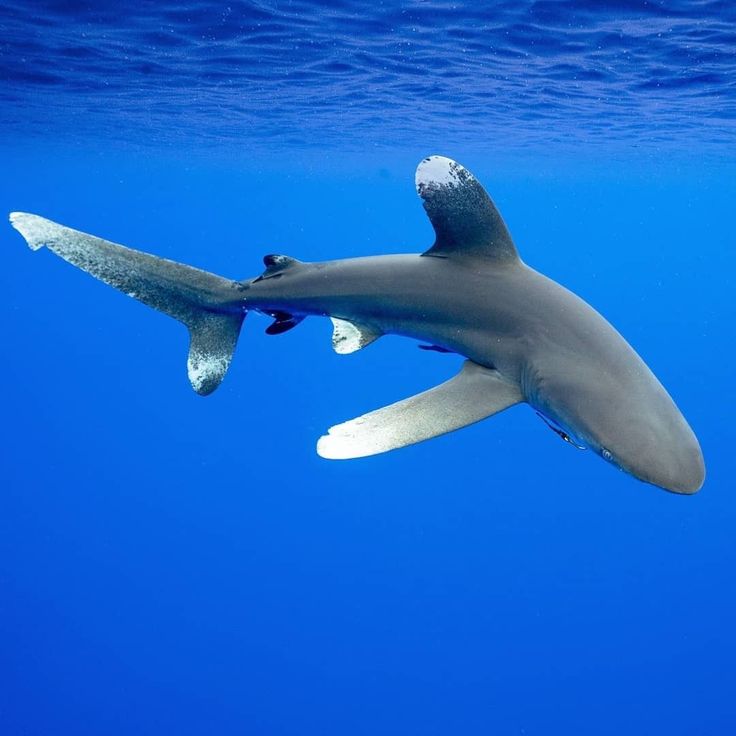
465, 220
347, 337
437, 170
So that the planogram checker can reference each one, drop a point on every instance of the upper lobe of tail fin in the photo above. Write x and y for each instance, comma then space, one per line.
207, 304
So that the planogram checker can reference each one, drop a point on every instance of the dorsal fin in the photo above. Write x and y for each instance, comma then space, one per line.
465, 220
276, 265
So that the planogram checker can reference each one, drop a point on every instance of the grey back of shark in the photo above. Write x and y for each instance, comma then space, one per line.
525, 337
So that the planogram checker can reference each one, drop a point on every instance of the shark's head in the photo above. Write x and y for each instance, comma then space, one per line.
632, 423
656, 446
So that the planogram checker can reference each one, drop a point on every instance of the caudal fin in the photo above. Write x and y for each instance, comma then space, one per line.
207, 304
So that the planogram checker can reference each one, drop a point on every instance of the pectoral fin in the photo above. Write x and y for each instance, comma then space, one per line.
474, 394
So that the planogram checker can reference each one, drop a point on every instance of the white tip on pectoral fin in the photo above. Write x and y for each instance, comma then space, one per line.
474, 394
347, 337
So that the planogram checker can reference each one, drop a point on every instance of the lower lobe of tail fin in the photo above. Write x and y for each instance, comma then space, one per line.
207, 304
212, 343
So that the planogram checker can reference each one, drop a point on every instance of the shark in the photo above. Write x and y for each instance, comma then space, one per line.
524, 337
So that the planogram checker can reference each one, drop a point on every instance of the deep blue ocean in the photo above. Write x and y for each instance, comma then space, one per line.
171, 564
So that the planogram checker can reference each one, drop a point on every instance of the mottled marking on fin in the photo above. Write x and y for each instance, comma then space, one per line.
348, 337
465, 220
188, 294
212, 343
37, 231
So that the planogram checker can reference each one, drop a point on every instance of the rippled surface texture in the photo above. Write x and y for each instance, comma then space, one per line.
515, 73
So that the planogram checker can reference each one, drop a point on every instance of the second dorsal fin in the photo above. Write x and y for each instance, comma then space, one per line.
464, 218
277, 265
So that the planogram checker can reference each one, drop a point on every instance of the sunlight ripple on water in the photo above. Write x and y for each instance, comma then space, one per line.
355, 73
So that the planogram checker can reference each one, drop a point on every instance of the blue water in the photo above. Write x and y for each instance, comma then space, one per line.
174, 564
519, 73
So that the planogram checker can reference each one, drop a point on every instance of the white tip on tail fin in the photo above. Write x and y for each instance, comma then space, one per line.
213, 337
33, 228
207, 304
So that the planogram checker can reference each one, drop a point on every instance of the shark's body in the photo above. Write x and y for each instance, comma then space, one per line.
525, 337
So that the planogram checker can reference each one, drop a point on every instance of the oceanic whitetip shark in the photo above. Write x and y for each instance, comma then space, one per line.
525, 338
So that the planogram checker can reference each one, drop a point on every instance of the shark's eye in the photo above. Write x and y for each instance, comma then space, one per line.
606, 455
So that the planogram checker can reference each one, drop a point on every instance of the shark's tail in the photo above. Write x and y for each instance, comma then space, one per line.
210, 306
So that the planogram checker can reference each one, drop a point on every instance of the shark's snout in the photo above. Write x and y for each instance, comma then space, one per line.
628, 419
675, 465
691, 472
660, 449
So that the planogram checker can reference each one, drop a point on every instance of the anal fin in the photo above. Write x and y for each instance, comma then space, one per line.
283, 322
473, 394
